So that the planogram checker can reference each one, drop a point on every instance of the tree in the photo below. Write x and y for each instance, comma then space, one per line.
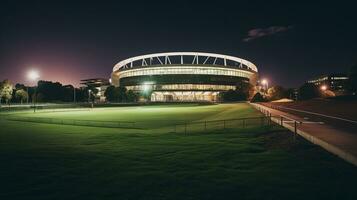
121, 94
110, 94
276, 92
81, 95
243, 91
21, 95
20, 86
309, 91
291, 93
233, 95
67, 93
50, 91
132, 96
257, 98
6, 90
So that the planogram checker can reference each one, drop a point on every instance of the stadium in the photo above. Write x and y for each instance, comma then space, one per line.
183, 76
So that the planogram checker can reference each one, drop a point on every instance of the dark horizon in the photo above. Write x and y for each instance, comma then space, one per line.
67, 42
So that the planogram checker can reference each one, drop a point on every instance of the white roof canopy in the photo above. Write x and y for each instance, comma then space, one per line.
164, 59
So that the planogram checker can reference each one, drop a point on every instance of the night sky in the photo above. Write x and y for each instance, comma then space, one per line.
289, 42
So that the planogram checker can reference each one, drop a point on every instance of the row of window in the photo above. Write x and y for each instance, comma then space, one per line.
184, 96
185, 70
181, 87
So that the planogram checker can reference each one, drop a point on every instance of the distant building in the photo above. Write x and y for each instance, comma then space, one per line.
100, 84
337, 83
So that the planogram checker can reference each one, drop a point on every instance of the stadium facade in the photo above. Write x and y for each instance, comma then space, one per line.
183, 76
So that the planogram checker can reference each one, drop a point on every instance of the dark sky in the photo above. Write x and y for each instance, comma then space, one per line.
68, 41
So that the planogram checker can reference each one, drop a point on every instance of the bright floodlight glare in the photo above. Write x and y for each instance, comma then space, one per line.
146, 87
33, 75
323, 87
264, 81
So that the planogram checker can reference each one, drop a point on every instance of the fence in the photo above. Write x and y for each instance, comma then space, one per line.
184, 127
75, 122
202, 126
281, 119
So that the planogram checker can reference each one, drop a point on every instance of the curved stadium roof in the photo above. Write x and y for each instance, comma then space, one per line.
196, 58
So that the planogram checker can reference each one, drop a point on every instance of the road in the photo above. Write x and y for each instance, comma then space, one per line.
332, 116
335, 140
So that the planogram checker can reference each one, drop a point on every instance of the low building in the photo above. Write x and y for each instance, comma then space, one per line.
336, 83
101, 84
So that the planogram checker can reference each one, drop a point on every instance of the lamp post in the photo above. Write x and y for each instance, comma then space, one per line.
89, 91
27, 88
33, 76
74, 95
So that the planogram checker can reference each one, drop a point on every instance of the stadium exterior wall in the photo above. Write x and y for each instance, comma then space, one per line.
183, 76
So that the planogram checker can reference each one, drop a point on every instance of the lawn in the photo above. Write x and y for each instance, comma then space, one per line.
50, 161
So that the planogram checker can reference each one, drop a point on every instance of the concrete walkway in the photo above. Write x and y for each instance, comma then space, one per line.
338, 142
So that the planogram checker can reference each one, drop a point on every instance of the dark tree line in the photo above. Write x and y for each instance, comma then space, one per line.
120, 94
46, 91
243, 92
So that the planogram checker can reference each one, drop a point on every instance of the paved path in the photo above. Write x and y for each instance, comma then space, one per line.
336, 141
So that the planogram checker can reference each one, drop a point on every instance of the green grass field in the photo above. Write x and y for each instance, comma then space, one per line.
53, 161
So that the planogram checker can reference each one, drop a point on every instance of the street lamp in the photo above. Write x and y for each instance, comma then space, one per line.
266, 84
323, 87
89, 91
33, 75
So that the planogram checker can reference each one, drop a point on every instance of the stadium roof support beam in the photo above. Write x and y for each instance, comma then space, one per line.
159, 60
195, 58
167, 60
144, 63
206, 60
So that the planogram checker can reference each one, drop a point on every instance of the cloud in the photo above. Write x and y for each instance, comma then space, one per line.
262, 32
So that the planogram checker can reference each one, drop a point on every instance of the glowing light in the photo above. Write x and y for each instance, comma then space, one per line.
264, 82
323, 87
146, 87
33, 75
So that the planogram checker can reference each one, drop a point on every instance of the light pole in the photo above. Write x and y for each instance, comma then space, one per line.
74, 95
33, 76
27, 88
89, 91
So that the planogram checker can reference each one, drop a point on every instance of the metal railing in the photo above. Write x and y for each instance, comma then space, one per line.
280, 119
209, 125
176, 126
76, 122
